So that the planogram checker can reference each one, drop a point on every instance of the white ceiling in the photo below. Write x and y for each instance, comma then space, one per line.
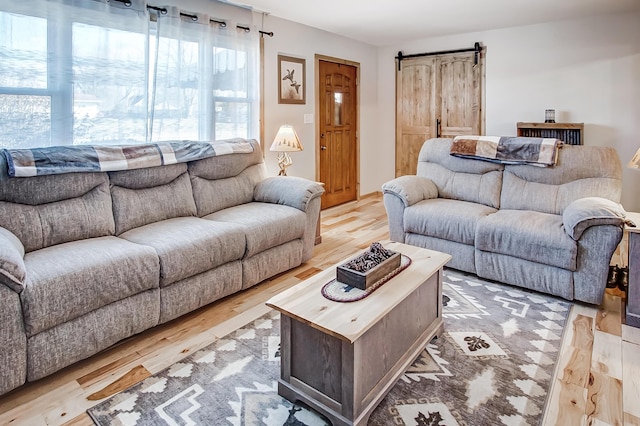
388, 22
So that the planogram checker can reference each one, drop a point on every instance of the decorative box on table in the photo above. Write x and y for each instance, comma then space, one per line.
368, 268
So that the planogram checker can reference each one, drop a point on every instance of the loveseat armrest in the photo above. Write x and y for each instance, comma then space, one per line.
591, 211
287, 190
411, 189
403, 192
12, 269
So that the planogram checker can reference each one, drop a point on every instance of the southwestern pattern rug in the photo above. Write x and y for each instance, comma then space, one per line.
492, 365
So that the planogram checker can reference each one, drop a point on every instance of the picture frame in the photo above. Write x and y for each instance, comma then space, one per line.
292, 85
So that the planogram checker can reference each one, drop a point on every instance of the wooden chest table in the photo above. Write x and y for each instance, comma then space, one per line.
341, 359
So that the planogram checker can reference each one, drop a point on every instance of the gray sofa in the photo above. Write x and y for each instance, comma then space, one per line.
89, 259
549, 229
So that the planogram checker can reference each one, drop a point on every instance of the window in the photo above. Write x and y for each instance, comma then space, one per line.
105, 73
25, 102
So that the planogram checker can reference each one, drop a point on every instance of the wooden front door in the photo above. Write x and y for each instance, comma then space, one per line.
338, 112
436, 96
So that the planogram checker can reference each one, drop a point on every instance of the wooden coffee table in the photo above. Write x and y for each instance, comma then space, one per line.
341, 359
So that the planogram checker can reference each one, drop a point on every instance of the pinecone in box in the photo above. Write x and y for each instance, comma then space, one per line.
375, 255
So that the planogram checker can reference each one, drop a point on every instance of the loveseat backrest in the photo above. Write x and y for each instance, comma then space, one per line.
152, 194
460, 178
581, 171
46, 210
227, 180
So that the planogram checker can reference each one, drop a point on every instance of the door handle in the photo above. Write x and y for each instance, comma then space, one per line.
438, 123
323, 148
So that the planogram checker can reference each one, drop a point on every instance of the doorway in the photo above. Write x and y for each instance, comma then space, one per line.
337, 118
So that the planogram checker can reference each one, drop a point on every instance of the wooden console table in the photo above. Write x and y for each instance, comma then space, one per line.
341, 359
632, 316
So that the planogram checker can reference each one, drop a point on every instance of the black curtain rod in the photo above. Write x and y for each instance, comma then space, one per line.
476, 48
223, 24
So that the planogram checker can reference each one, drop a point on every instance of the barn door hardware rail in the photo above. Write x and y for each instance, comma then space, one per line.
476, 48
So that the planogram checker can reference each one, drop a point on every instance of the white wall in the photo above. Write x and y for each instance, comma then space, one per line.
588, 70
292, 39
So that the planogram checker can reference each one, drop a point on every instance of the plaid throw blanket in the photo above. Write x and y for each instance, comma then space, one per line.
105, 158
540, 152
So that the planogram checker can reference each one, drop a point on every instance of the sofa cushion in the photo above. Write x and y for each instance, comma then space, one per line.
582, 171
265, 225
212, 195
460, 178
226, 166
446, 219
227, 180
140, 202
188, 246
69, 280
534, 236
59, 220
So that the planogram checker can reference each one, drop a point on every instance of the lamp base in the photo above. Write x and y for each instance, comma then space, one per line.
284, 161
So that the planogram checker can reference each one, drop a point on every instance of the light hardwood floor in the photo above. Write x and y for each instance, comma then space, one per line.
597, 379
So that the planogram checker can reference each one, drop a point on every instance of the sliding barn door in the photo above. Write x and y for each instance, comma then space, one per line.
436, 96
416, 111
461, 95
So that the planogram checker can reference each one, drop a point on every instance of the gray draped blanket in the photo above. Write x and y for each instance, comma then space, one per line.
104, 158
541, 152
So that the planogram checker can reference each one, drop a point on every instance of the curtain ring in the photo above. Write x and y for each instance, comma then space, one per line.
126, 3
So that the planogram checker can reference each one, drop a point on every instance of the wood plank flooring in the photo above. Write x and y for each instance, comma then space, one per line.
597, 378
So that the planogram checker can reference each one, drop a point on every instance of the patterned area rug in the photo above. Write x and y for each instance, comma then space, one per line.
492, 365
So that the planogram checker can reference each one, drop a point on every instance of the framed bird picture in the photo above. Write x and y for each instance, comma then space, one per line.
291, 80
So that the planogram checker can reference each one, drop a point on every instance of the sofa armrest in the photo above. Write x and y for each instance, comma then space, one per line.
12, 269
411, 189
287, 190
400, 193
591, 211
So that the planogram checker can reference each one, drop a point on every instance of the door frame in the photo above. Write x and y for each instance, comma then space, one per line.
317, 59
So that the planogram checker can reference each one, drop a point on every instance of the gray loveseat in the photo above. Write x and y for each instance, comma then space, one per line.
549, 229
89, 259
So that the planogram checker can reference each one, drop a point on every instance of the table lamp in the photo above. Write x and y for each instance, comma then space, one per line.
635, 161
286, 141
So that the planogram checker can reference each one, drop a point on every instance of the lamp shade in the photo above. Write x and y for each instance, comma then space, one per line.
635, 161
286, 140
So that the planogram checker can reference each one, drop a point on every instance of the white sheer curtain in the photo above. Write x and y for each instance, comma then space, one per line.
204, 83
117, 71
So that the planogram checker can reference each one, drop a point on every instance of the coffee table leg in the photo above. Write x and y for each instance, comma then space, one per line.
295, 393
